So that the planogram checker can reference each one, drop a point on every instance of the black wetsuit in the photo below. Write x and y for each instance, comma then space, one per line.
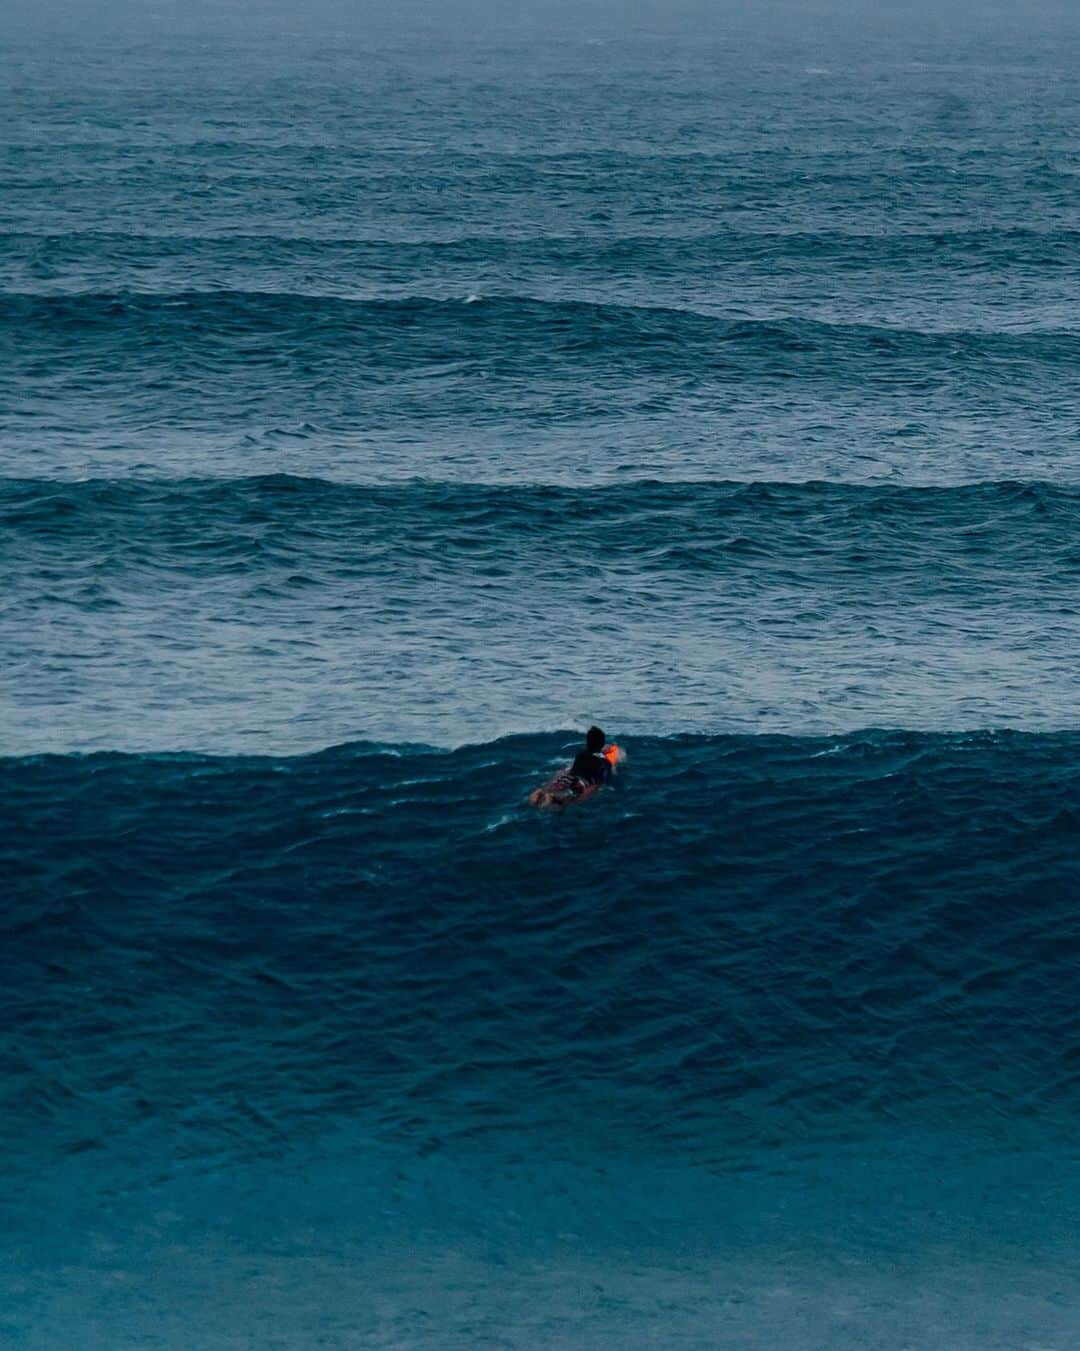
592, 766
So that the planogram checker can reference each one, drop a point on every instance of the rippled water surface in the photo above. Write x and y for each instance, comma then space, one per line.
374, 411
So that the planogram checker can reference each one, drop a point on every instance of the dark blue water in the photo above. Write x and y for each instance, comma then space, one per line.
375, 412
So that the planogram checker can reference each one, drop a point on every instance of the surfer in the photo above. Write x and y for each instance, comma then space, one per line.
592, 769
592, 765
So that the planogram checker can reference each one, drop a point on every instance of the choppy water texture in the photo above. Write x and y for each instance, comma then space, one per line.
372, 413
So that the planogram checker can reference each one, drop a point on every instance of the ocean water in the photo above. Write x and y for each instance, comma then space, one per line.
379, 405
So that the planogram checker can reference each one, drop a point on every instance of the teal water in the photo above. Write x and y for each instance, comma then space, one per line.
378, 409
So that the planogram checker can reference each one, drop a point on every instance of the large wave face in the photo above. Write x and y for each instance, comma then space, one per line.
734, 942
364, 1032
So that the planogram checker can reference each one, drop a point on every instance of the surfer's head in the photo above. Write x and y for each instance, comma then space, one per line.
594, 739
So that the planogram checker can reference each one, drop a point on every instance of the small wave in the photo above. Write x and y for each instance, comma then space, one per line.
564, 324
256, 611
690, 514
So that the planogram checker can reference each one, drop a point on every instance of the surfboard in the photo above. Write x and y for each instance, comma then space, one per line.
565, 787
